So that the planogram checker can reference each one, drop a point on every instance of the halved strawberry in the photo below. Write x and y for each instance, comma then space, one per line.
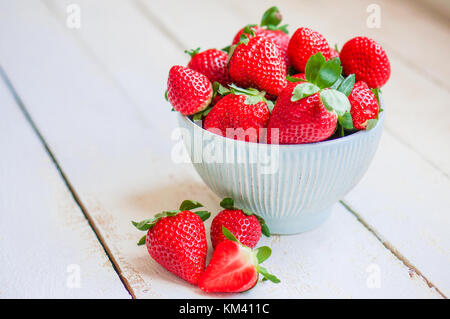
234, 267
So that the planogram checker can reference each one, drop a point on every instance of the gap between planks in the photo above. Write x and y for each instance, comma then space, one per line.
391, 248
72, 191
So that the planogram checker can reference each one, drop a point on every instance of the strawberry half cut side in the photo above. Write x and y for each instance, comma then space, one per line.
235, 267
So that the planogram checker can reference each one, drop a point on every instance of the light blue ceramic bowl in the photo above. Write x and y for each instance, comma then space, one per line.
293, 187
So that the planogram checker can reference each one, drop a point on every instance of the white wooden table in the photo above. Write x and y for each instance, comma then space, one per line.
85, 142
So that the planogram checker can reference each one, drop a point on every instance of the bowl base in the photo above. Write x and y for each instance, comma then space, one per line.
299, 224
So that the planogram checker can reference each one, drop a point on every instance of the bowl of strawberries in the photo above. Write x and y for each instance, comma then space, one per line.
285, 125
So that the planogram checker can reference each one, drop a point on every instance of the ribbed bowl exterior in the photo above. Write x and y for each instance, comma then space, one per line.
293, 187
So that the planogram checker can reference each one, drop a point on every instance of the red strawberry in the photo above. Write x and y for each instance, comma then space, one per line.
367, 60
308, 111
303, 121
280, 38
242, 112
269, 29
234, 267
188, 91
177, 240
364, 105
258, 63
305, 43
334, 53
245, 225
212, 63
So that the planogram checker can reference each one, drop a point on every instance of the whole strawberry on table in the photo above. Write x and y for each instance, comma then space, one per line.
279, 89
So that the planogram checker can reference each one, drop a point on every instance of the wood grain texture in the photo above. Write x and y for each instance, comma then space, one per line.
117, 156
45, 240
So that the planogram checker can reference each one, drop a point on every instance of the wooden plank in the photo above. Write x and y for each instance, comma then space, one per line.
48, 249
122, 170
405, 97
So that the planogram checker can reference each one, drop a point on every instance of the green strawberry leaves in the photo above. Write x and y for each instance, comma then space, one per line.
313, 66
376, 92
188, 205
328, 73
304, 90
294, 79
346, 121
261, 254
142, 241
335, 101
267, 276
192, 52
246, 32
229, 235
271, 20
272, 16
346, 85
228, 203
202, 114
326, 78
253, 96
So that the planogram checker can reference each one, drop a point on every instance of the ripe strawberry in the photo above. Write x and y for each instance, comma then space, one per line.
308, 112
269, 29
188, 91
245, 225
364, 104
258, 63
234, 267
333, 53
304, 121
212, 63
303, 44
367, 60
240, 114
177, 240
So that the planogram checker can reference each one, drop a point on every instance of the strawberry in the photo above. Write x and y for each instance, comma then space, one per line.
309, 111
258, 62
365, 106
367, 60
212, 63
269, 29
303, 44
245, 225
278, 37
188, 91
333, 53
234, 267
240, 114
177, 240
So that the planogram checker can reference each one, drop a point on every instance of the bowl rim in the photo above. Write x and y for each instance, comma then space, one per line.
340, 140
